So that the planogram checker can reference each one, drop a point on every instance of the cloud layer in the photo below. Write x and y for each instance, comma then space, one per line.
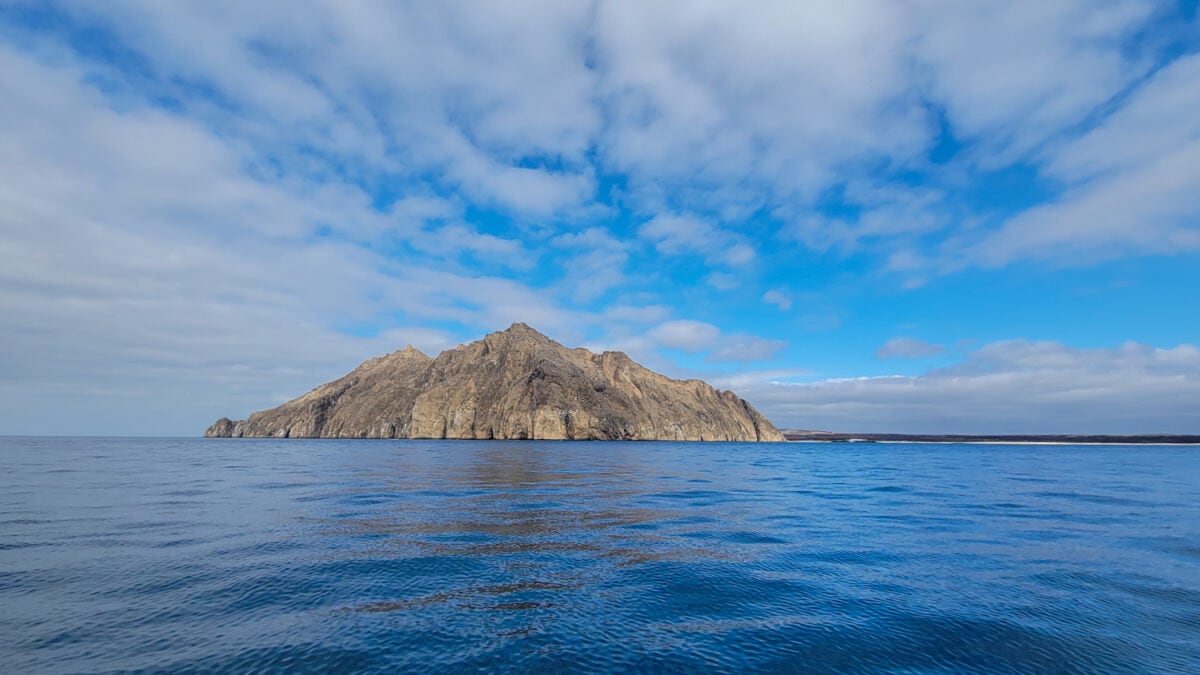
206, 208
1003, 387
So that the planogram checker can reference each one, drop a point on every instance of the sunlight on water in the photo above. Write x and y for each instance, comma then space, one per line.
237, 555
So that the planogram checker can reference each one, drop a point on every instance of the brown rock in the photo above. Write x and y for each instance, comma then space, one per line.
513, 384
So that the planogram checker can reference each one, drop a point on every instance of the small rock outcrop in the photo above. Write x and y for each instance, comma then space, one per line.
512, 384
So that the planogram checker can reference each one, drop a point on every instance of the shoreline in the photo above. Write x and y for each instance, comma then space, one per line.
990, 442
806, 436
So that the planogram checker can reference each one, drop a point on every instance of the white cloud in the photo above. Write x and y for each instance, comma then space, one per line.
594, 238
778, 298
1006, 387
723, 106
592, 274
738, 254
907, 348
460, 91
722, 281
535, 191
885, 213
685, 234
687, 335
414, 211
1012, 74
1134, 179
706, 109
448, 242
698, 336
678, 234
598, 264
747, 380
1149, 125
745, 348
163, 276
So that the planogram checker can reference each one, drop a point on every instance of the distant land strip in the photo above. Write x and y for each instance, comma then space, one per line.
843, 437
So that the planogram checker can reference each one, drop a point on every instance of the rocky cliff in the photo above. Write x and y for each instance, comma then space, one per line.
513, 384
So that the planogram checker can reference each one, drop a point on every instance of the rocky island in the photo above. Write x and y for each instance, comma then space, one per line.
512, 384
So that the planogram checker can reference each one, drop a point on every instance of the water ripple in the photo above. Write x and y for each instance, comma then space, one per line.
329, 556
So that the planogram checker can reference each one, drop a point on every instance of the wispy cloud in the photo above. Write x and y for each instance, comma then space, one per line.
690, 336
778, 298
1133, 180
746, 348
684, 234
907, 348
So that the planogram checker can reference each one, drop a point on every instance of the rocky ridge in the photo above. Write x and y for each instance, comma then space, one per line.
512, 384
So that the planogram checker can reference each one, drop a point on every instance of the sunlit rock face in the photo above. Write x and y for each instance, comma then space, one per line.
512, 384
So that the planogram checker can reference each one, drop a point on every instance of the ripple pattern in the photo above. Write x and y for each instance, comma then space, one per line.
182, 555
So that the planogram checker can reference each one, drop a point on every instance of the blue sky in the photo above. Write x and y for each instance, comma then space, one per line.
881, 216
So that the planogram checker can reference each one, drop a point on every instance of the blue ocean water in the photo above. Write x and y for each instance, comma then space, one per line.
192, 555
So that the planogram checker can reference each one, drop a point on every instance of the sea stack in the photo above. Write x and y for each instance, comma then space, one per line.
512, 384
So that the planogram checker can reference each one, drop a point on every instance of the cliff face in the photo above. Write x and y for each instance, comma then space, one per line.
514, 384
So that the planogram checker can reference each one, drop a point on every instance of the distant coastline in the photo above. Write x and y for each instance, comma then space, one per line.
1025, 439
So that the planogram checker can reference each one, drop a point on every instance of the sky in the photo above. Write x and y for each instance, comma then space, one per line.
893, 215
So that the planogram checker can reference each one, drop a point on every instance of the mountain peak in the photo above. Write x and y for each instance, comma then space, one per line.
518, 333
522, 328
515, 384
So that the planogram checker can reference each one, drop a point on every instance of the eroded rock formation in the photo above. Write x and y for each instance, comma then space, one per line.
513, 384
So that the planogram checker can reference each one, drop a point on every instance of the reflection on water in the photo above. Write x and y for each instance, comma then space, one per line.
526, 514
213, 555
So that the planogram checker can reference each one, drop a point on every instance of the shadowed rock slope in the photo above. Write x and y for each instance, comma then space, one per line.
513, 384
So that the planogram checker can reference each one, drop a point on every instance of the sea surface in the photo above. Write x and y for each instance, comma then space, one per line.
193, 555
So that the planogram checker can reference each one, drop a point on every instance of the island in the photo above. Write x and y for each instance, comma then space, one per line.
512, 384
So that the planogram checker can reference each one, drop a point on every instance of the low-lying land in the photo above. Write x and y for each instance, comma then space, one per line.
844, 437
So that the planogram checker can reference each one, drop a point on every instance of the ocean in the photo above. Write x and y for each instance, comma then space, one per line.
194, 555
